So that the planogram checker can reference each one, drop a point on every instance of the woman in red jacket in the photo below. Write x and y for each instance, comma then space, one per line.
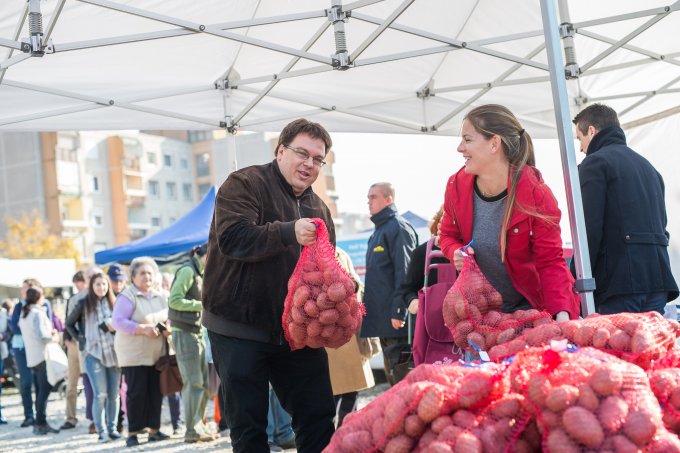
499, 199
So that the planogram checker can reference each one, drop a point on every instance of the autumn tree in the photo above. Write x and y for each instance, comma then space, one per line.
28, 237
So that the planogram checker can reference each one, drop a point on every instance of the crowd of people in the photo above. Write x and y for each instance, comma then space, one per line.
221, 312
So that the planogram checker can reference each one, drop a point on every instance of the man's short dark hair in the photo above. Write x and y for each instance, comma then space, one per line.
303, 126
78, 277
599, 116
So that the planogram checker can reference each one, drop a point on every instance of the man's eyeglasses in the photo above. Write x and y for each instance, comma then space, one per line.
304, 155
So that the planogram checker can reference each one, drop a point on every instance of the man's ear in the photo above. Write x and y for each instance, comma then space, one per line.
592, 131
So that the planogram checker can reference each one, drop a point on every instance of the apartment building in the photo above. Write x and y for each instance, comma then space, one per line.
104, 189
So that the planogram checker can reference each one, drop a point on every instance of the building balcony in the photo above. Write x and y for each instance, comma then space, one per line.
75, 224
139, 226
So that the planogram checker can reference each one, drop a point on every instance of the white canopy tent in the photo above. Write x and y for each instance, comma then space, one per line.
395, 66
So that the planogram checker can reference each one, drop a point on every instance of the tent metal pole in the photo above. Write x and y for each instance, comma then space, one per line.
208, 29
345, 110
503, 83
484, 90
360, 4
12, 61
649, 96
236, 119
17, 32
585, 284
281, 75
404, 55
632, 48
53, 20
621, 17
14, 45
622, 41
633, 95
381, 28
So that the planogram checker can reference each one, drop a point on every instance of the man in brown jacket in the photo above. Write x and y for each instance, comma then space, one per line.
261, 220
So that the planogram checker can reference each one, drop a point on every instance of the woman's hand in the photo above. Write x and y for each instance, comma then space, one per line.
459, 258
147, 330
562, 316
413, 307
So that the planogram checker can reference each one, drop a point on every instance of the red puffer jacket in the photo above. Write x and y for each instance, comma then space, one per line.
533, 255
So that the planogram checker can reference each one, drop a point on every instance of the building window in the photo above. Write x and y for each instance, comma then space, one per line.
153, 189
184, 163
186, 192
171, 189
203, 165
203, 189
151, 158
98, 218
156, 222
95, 184
167, 160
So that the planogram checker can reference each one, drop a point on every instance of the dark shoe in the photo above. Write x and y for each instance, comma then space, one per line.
198, 438
28, 421
158, 436
114, 436
67, 425
103, 439
92, 429
44, 429
3, 421
290, 443
132, 441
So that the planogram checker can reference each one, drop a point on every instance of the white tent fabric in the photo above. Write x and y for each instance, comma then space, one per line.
395, 66
413, 66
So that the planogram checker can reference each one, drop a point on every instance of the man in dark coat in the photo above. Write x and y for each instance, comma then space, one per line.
387, 258
625, 215
261, 221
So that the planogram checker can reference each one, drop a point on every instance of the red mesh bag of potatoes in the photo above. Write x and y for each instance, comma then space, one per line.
664, 379
472, 310
436, 409
321, 308
584, 399
638, 338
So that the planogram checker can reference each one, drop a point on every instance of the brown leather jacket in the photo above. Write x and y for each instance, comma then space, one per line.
252, 252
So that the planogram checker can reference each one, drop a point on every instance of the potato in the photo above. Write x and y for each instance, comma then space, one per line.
431, 403
620, 341
587, 398
311, 309
441, 422
329, 316
466, 442
584, 335
399, 444
298, 332
561, 397
642, 342
314, 328
301, 295
583, 426
345, 321
460, 307
343, 308
324, 302
464, 419
639, 427
508, 406
357, 442
475, 387
395, 414
476, 339
506, 335
601, 338
606, 381
538, 389
336, 292
559, 441
298, 315
491, 318
414, 426
313, 278
328, 331
612, 413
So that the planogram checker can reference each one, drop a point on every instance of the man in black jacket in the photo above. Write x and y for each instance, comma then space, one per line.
625, 215
261, 220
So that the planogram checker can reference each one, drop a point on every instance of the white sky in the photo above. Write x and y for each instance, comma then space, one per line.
418, 166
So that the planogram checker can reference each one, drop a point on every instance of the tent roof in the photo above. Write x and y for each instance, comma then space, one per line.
190, 230
412, 66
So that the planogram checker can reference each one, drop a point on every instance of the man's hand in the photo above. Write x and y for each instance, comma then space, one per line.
459, 258
305, 232
398, 323
413, 306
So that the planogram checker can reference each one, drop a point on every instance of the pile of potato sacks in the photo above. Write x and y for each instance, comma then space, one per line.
552, 399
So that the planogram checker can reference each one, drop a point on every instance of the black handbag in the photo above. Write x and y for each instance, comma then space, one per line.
170, 377
399, 357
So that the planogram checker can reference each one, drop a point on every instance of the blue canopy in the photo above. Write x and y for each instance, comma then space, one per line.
190, 230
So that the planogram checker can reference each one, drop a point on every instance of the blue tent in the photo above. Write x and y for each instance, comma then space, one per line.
190, 230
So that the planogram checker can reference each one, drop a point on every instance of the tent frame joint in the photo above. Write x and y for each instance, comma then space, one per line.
340, 59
